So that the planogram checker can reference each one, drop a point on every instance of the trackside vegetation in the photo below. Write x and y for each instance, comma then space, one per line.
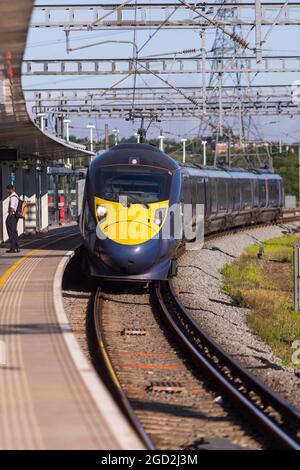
265, 286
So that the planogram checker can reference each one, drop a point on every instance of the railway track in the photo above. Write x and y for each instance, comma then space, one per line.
264, 408
172, 379
178, 387
150, 379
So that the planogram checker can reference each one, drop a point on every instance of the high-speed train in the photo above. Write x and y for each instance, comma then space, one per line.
129, 194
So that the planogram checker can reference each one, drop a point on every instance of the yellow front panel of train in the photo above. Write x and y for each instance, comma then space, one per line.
130, 224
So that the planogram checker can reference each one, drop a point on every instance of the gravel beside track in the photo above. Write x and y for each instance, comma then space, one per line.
199, 286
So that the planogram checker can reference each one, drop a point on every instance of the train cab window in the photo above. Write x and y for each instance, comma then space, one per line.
262, 193
222, 195
246, 194
139, 183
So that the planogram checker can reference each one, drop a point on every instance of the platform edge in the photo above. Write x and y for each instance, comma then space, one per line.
118, 424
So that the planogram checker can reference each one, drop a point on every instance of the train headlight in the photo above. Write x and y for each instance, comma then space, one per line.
101, 212
159, 216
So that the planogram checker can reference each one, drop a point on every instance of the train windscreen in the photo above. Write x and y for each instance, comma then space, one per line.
140, 184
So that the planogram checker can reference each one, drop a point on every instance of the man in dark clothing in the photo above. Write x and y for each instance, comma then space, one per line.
11, 220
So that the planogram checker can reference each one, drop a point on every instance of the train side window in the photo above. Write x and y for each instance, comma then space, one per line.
255, 193
230, 194
246, 194
194, 195
200, 191
208, 196
194, 190
186, 195
222, 195
279, 193
236, 194
213, 195
262, 193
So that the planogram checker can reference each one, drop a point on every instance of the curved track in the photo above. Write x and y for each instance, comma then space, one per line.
253, 415
163, 393
265, 409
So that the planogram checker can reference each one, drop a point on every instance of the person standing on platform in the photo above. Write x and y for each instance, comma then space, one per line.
11, 220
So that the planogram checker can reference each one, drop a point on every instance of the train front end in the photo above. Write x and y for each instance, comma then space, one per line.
126, 215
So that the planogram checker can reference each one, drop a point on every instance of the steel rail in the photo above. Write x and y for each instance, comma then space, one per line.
252, 398
110, 374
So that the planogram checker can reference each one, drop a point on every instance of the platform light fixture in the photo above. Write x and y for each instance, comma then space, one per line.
91, 127
183, 149
116, 133
161, 142
67, 122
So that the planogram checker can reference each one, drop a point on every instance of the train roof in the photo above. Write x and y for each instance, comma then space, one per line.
144, 153
225, 171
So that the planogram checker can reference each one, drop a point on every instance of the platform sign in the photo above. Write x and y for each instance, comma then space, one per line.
297, 277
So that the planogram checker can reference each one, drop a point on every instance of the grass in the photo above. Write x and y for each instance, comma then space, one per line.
266, 287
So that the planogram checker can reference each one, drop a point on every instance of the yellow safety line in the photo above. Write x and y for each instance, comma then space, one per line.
12, 268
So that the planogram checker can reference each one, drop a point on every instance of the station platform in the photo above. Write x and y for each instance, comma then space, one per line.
50, 396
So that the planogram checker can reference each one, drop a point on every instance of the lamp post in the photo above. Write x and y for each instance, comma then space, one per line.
116, 132
67, 122
204, 142
183, 149
137, 135
161, 142
91, 127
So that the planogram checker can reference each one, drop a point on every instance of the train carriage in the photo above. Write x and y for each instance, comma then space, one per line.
129, 195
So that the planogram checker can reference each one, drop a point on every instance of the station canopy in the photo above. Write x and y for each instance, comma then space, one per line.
18, 133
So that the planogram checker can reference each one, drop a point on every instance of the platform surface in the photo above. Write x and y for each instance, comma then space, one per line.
48, 400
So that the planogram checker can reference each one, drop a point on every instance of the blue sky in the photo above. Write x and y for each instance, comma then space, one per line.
50, 43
